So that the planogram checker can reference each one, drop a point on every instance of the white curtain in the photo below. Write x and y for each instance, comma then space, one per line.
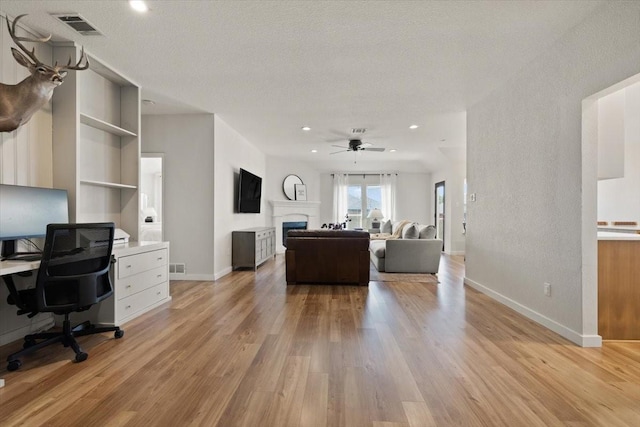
388, 190
340, 197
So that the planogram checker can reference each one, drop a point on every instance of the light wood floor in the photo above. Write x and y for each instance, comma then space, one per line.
249, 351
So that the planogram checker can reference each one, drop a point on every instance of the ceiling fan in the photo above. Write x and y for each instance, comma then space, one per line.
357, 145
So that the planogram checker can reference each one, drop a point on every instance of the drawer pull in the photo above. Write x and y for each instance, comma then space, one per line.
128, 266
158, 293
127, 307
159, 275
159, 258
128, 286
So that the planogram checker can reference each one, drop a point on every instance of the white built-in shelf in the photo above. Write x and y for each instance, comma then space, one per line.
107, 184
102, 125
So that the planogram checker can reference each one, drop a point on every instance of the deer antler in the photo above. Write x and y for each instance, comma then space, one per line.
17, 40
83, 57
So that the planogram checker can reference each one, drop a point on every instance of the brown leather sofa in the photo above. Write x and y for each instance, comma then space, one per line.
327, 257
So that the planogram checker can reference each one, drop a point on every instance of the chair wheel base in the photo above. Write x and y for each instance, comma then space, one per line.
81, 357
118, 334
14, 365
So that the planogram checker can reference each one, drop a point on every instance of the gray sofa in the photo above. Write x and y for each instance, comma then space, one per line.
413, 249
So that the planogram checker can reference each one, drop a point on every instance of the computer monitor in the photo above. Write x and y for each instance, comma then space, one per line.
26, 211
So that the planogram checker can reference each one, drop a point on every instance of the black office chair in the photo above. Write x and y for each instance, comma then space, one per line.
73, 276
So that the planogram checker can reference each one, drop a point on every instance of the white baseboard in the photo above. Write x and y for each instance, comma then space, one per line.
198, 277
570, 334
36, 326
222, 273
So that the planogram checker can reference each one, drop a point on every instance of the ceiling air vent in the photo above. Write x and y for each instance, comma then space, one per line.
358, 131
78, 24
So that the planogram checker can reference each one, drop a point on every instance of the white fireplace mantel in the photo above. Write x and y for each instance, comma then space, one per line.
293, 210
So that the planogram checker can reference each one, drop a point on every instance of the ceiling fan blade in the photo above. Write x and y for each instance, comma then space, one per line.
342, 151
339, 146
373, 149
335, 139
366, 144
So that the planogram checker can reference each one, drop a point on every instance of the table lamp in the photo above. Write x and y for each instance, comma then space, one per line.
375, 215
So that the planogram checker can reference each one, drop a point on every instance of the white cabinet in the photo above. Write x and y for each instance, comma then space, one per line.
140, 279
96, 143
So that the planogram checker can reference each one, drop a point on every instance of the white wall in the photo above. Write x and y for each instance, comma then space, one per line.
525, 154
187, 142
232, 152
619, 199
414, 197
277, 169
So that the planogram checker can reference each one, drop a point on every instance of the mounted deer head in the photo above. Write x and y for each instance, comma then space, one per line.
19, 102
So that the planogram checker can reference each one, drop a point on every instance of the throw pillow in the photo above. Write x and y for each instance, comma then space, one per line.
410, 231
427, 232
386, 227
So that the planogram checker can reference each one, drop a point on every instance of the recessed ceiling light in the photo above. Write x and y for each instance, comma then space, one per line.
306, 128
138, 5
314, 151
393, 150
413, 127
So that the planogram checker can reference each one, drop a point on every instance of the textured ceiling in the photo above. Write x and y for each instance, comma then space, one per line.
269, 67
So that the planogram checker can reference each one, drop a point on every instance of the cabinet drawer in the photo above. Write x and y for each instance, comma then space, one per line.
138, 282
134, 264
131, 305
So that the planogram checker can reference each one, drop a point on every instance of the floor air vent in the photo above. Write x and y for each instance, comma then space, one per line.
78, 24
178, 268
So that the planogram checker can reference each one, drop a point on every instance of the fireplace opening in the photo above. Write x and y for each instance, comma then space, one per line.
292, 225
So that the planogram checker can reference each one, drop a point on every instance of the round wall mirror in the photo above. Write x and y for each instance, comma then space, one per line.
288, 186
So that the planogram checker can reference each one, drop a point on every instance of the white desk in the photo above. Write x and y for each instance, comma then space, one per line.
620, 228
140, 279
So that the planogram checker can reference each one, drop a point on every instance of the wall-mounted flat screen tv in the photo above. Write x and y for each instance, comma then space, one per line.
249, 192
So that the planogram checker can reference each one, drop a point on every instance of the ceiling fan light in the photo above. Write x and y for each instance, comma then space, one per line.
306, 128
412, 127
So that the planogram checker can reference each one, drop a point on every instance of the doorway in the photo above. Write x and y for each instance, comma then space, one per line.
151, 197
439, 213
609, 190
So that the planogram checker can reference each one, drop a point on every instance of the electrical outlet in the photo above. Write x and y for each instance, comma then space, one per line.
547, 289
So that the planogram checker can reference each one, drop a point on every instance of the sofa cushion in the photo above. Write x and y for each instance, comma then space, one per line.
385, 227
410, 231
377, 247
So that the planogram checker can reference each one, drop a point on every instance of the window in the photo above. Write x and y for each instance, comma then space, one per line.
362, 198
